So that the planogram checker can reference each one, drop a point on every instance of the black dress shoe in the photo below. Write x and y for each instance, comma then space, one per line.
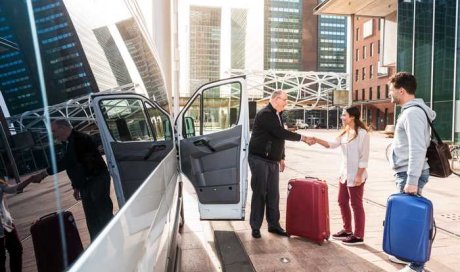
278, 231
256, 233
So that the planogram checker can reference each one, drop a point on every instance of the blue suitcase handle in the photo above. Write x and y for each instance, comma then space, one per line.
433, 231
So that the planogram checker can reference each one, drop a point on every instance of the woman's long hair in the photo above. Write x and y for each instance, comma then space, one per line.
354, 112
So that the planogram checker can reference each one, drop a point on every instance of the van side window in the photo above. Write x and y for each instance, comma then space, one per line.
161, 125
217, 109
126, 120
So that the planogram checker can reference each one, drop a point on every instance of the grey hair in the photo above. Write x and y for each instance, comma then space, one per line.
276, 93
62, 123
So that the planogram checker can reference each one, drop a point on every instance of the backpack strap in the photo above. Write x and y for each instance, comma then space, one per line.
438, 139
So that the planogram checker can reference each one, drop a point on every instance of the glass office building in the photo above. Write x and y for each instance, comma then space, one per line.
332, 41
238, 38
17, 82
428, 39
81, 53
205, 36
65, 67
283, 35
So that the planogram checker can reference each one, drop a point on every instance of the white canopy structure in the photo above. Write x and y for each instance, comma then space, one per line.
77, 111
307, 90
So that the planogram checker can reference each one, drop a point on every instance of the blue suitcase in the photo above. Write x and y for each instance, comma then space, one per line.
409, 228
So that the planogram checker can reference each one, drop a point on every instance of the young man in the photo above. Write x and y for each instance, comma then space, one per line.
411, 141
266, 160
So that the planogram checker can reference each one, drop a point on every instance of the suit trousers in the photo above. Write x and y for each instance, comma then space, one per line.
265, 192
98, 207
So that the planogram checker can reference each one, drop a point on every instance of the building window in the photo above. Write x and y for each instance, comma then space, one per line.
363, 94
368, 28
370, 93
357, 55
356, 74
371, 50
386, 91
364, 52
378, 92
357, 33
371, 71
356, 95
364, 73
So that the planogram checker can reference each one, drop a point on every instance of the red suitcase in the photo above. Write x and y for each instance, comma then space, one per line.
307, 213
46, 239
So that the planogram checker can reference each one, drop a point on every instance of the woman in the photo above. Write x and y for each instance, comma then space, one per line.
354, 141
9, 239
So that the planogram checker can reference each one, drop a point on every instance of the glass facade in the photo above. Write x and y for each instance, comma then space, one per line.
85, 46
64, 64
405, 35
205, 35
238, 37
283, 35
18, 80
82, 52
332, 41
443, 64
435, 64
423, 46
144, 61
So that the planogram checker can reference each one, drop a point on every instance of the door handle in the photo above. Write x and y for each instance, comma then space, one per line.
152, 149
204, 142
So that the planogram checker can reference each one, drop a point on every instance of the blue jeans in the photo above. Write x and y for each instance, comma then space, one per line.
400, 179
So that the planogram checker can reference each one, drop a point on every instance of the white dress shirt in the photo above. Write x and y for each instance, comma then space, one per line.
355, 154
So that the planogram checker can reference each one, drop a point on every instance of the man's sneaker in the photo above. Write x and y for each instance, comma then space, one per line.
396, 260
407, 268
352, 241
341, 235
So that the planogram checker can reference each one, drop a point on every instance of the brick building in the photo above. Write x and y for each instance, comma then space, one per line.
370, 91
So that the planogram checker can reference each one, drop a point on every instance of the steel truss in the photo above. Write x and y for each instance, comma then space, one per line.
307, 90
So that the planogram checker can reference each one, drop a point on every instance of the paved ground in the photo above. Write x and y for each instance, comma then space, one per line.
198, 251
266, 253
38, 200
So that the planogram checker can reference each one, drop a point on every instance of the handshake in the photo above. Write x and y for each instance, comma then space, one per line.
308, 140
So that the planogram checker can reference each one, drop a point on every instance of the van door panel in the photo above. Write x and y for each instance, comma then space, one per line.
215, 174
133, 164
213, 142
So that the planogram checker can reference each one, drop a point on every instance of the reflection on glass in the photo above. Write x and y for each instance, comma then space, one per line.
221, 109
126, 119
160, 123
192, 119
423, 47
405, 35
84, 49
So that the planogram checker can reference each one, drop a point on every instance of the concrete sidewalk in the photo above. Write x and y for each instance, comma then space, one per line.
38, 200
303, 160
